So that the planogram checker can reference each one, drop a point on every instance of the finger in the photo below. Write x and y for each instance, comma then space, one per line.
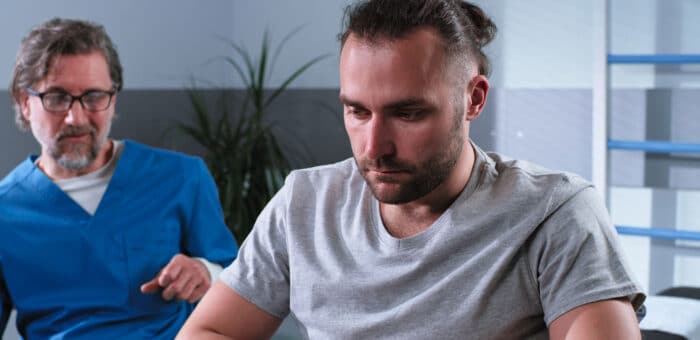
204, 282
168, 293
150, 286
170, 272
187, 291
198, 293
176, 287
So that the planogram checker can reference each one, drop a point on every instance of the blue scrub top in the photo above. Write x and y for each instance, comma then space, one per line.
76, 276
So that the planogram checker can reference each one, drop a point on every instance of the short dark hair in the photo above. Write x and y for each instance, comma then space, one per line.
464, 27
54, 38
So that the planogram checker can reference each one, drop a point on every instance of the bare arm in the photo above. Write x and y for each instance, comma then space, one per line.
608, 319
224, 314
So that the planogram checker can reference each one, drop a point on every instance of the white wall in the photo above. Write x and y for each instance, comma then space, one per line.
547, 44
320, 22
540, 44
654, 26
161, 42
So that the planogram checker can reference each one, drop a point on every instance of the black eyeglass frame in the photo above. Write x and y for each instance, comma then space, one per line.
79, 98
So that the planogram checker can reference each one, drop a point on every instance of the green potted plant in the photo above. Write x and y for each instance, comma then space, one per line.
241, 150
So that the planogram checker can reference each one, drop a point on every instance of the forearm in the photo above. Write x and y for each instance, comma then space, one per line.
193, 332
608, 319
223, 314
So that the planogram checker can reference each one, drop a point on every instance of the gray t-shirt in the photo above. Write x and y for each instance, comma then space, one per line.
519, 247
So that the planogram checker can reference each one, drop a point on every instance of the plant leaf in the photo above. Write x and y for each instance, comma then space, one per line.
294, 76
243, 153
283, 42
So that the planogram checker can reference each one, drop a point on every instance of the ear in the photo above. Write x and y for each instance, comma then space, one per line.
114, 99
23, 102
477, 91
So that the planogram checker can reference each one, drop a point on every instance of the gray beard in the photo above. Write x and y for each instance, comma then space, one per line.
79, 156
79, 163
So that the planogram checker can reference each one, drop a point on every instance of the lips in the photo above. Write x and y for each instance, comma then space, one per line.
387, 175
74, 133
75, 137
386, 171
384, 168
390, 173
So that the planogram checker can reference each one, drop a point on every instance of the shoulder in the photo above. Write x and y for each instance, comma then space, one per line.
336, 175
15, 177
530, 181
158, 153
530, 172
322, 187
157, 158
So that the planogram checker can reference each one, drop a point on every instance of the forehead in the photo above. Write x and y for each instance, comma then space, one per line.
78, 71
411, 66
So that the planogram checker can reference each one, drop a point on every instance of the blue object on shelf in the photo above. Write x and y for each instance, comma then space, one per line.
653, 58
654, 146
671, 234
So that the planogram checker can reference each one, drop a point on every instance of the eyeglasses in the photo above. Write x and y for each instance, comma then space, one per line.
59, 101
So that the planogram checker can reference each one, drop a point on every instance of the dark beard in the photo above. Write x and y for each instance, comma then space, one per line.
426, 176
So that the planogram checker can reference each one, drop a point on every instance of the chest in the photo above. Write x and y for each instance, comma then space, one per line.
60, 255
443, 293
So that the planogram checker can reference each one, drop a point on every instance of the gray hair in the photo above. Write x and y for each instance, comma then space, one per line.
54, 38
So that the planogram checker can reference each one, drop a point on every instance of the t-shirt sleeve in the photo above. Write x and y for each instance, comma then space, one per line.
260, 273
206, 233
577, 258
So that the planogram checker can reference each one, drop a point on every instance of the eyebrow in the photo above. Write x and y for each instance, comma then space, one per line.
408, 102
349, 102
55, 88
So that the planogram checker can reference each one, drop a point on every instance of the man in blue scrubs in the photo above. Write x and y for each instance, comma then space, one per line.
99, 238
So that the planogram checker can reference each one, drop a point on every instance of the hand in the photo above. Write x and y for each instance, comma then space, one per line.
184, 278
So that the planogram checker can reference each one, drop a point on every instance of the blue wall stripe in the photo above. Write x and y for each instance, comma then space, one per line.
653, 58
654, 146
672, 234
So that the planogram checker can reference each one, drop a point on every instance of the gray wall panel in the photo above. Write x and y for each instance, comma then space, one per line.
627, 122
308, 122
15, 144
655, 114
551, 127
302, 117
685, 117
546, 126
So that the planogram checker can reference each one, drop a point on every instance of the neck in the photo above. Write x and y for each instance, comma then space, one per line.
55, 171
409, 219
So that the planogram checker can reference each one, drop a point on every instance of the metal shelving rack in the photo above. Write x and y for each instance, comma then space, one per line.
602, 143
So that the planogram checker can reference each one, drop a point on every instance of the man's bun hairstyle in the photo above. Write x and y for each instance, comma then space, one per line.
463, 27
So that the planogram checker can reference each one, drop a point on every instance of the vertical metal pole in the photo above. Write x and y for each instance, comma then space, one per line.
599, 135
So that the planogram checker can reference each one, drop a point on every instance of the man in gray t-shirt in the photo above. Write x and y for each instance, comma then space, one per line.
422, 235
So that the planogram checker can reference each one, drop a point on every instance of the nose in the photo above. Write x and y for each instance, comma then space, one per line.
76, 114
379, 142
